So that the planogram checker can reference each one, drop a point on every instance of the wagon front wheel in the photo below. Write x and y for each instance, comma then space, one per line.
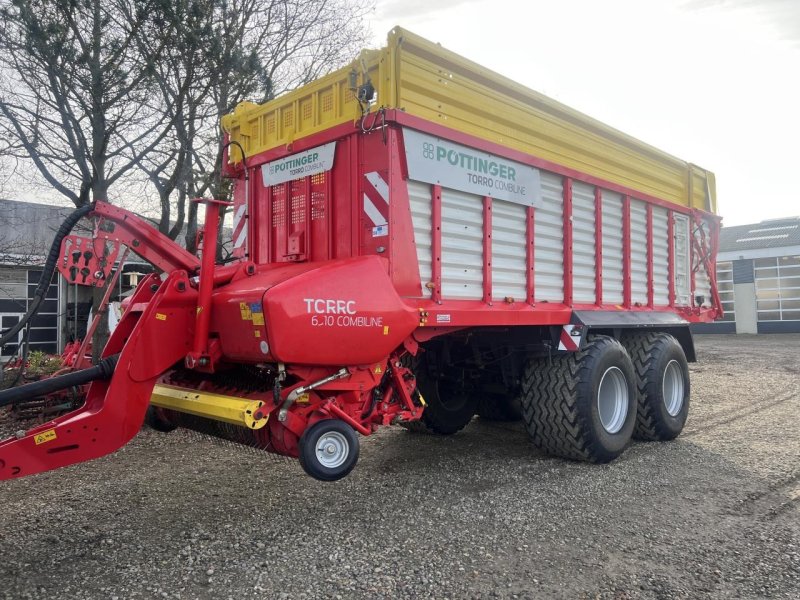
329, 450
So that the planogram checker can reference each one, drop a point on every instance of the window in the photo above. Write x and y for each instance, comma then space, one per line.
778, 288
6, 321
14, 284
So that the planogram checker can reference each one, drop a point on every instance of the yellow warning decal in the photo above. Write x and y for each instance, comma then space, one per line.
199, 309
244, 308
421, 399
161, 316
385, 330
256, 333
258, 318
378, 370
45, 436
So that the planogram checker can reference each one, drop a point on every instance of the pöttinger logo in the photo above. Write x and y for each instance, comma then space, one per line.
427, 150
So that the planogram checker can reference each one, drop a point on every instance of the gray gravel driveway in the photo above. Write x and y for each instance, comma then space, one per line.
481, 514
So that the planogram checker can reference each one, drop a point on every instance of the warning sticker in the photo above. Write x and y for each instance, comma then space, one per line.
244, 308
258, 318
45, 436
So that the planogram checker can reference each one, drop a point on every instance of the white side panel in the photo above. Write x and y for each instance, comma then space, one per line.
462, 245
583, 239
549, 241
612, 248
508, 251
660, 257
682, 280
419, 195
638, 252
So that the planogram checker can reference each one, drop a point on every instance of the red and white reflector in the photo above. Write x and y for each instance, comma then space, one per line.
570, 340
376, 199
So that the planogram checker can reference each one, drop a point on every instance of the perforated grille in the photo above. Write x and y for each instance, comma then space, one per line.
271, 125
288, 117
327, 102
278, 204
298, 201
306, 111
318, 196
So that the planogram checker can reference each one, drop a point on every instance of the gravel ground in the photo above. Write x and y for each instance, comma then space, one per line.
479, 515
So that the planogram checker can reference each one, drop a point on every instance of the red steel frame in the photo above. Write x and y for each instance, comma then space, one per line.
598, 246
650, 258
436, 243
487, 250
530, 284
626, 251
567, 212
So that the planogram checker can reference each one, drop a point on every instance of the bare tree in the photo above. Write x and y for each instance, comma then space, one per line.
260, 49
75, 96
96, 91
75, 92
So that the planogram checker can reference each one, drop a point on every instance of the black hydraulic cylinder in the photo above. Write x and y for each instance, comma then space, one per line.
102, 370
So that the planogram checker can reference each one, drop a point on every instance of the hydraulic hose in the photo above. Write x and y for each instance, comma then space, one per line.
102, 370
47, 272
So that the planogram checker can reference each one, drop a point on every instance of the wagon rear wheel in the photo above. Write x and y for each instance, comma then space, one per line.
662, 385
581, 405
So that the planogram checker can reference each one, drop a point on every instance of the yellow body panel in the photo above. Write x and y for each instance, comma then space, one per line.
237, 411
425, 80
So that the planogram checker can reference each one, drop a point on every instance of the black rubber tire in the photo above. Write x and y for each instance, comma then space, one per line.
559, 405
449, 408
651, 353
308, 447
499, 407
155, 419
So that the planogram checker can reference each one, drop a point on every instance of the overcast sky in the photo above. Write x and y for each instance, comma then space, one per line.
714, 82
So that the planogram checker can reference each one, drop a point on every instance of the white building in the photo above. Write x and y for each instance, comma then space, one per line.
758, 272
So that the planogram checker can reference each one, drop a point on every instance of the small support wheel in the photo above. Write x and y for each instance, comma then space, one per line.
329, 450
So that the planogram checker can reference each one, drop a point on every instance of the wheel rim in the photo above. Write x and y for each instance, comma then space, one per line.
332, 449
612, 400
672, 388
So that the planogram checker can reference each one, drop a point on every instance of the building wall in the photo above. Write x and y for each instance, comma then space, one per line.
759, 295
17, 285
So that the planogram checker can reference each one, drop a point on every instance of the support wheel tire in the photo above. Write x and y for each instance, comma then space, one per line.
662, 385
581, 405
154, 417
329, 450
